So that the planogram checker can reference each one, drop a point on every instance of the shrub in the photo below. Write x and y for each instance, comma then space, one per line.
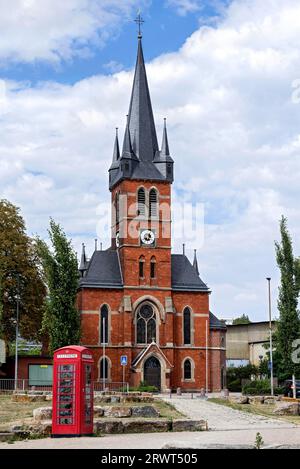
144, 387
235, 386
260, 388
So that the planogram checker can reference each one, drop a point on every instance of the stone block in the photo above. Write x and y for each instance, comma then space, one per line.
286, 408
42, 413
256, 400
6, 436
239, 399
108, 426
117, 412
98, 411
269, 400
146, 411
146, 426
101, 399
27, 398
183, 425
115, 399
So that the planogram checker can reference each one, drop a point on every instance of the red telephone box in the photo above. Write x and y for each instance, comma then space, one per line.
73, 392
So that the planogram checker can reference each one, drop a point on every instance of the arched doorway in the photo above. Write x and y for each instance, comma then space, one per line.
152, 372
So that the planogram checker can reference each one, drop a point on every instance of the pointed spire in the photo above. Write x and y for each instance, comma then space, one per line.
83, 262
165, 151
116, 155
195, 263
127, 145
141, 120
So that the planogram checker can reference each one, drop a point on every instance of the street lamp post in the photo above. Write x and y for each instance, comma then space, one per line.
271, 338
17, 332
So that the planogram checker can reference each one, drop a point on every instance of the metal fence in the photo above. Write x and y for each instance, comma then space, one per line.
9, 386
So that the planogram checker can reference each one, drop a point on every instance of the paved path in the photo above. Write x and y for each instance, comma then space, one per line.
272, 437
224, 418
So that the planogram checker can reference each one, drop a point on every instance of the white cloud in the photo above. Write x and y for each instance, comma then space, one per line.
234, 135
55, 30
183, 7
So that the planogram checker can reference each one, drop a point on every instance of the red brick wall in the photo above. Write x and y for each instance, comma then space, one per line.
122, 332
122, 325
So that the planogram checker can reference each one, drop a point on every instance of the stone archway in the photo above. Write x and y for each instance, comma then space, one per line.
152, 372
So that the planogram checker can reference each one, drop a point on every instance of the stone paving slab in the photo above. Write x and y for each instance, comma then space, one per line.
224, 418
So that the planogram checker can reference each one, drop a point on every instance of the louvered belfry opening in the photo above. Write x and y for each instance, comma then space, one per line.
141, 202
142, 267
153, 209
153, 268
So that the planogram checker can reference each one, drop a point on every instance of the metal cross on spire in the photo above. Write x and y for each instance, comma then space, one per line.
139, 21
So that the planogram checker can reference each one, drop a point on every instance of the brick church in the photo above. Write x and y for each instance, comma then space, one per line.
137, 297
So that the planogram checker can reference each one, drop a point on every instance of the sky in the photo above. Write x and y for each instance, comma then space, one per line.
226, 74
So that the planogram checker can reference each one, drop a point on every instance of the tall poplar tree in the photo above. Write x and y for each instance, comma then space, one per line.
61, 318
288, 327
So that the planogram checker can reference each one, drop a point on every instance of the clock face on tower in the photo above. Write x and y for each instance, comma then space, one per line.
147, 238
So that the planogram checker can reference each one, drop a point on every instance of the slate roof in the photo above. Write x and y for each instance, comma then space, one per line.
140, 145
103, 271
141, 120
184, 276
215, 323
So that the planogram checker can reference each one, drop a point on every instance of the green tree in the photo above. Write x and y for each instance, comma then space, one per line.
288, 327
61, 318
19, 273
244, 319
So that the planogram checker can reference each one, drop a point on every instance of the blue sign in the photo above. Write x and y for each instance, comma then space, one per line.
124, 360
270, 366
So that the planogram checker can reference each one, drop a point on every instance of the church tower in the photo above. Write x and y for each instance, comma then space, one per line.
137, 298
140, 181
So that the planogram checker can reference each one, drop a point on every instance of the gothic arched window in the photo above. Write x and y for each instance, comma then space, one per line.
141, 202
187, 369
187, 326
146, 325
103, 325
153, 209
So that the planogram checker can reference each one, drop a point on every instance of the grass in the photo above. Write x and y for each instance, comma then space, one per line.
20, 412
165, 409
266, 410
12, 412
